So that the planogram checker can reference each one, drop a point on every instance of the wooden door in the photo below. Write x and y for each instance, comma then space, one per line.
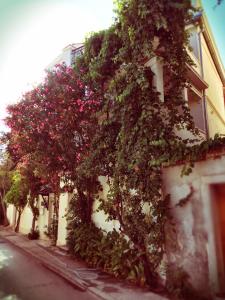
219, 201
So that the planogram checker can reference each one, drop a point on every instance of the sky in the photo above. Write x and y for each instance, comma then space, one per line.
216, 18
33, 33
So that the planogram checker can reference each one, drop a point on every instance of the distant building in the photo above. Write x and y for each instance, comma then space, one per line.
68, 55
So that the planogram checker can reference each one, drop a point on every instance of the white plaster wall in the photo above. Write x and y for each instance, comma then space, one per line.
62, 224
63, 57
26, 220
11, 211
27, 217
193, 247
43, 220
100, 218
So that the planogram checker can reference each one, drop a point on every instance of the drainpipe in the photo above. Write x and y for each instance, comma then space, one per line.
203, 93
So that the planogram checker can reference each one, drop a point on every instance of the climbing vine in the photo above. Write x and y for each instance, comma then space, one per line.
138, 132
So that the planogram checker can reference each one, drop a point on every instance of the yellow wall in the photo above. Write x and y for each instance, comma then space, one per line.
214, 93
216, 121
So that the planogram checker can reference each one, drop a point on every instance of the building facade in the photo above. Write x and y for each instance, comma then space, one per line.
206, 94
200, 243
68, 55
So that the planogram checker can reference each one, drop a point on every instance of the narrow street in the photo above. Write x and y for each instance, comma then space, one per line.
23, 278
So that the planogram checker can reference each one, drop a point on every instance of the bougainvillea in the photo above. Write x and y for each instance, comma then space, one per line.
51, 128
54, 121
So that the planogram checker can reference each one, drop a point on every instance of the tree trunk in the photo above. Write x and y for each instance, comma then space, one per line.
18, 221
4, 220
89, 207
152, 278
35, 212
1, 213
55, 219
33, 223
86, 202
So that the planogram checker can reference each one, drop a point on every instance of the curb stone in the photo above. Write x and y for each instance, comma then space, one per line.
62, 269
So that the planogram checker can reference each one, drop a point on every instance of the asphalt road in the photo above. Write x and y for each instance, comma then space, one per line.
23, 278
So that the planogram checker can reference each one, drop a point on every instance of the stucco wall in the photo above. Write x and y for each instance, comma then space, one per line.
193, 246
11, 211
64, 57
26, 220
45, 217
27, 217
99, 217
62, 224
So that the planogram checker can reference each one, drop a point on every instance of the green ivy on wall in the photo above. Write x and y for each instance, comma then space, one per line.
137, 132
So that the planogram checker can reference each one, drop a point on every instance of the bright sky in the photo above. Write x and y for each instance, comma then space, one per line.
33, 33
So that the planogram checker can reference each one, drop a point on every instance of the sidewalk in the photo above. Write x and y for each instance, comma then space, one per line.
76, 272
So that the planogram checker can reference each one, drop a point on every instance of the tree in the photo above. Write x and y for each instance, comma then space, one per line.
34, 183
52, 127
5, 183
17, 195
55, 121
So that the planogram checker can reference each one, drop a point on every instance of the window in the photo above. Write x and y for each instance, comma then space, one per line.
194, 43
196, 105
